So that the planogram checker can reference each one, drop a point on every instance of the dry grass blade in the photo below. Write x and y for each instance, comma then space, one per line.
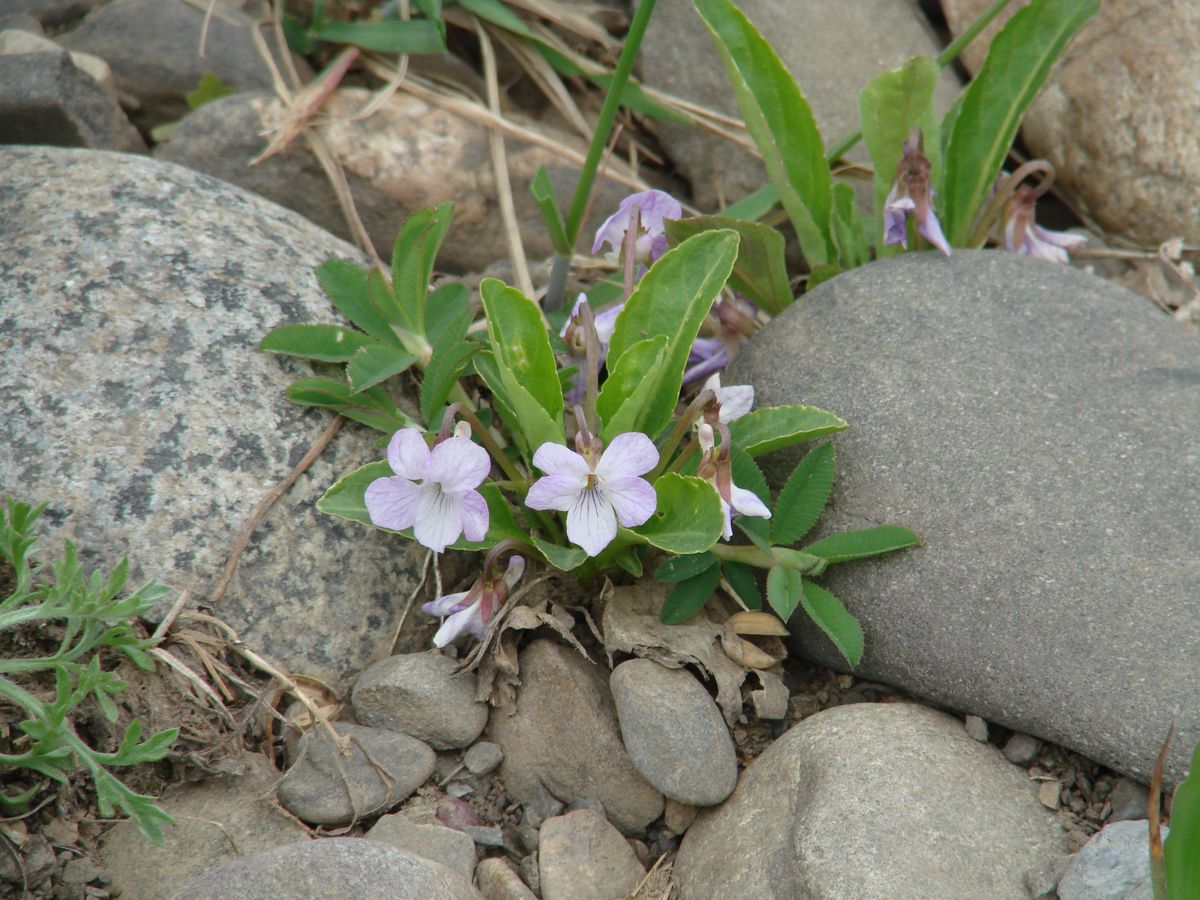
411, 597
198, 684
306, 104
568, 18
512, 228
546, 78
1158, 873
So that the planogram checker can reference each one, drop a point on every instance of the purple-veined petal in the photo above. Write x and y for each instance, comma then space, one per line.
931, 230
747, 503
591, 522
631, 453
606, 323
555, 492
443, 606
392, 502
469, 621
557, 459
458, 464
633, 499
474, 515
655, 208
408, 454
895, 230
439, 518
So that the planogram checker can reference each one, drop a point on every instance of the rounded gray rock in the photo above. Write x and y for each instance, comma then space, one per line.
674, 732
582, 857
564, 739
1113, 865
871, 800
1020, 416
314, 788
138, 405
421, 695
448, 846
483, 758
329, 869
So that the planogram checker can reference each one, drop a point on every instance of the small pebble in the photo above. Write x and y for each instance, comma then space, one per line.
498, 881
1047, 794
542, 806
1021, 749
483, 758
976, 728
529, 873
1129, 800
677, 816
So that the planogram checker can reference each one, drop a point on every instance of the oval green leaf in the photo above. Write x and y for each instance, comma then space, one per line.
327, 343
835, 620
773, 427
848, 545
688, 597
681, 568
804, 495
688, 517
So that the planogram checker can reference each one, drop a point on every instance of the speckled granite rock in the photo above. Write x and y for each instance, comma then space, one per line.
132, 297
329, 869
1120, 116
406, 156
871, 800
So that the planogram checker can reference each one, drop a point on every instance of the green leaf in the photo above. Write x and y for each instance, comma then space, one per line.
835, 620
804, 495
781, 123
629, 560
745, 585
681, 568
562, 558
849, 231
784, 591
688, 597
760, 270
372, 407
672, 299
388, 36
209, 88
747, 474
346, 286
1181, 850
327, 343
629, 388
688, 517
486, 368
772, 427
498, 14
520, 344
859, 544
374, 363
448, 311
413, 256
757, 529
444, 369
543, 194
1018, 63
891, 105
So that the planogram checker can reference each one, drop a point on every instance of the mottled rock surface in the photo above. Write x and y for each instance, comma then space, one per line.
447, 846
856, 42
1113, 865
1037, 427
406, 156
1120, 116
871, 800
326, 786
674, 732
582, 857
216, 820
331, 869
133, 297
421, 695
564, 736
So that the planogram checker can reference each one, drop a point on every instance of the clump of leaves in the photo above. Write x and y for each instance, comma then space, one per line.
92, 617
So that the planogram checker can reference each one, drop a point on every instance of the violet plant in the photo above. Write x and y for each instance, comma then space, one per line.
598, 452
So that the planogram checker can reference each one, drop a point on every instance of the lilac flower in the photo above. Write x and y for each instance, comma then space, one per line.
715, 468
735, 400
1025, 236
596, 490
708, 355
470, 611
433, 492
911, 193
654, 208
572, 334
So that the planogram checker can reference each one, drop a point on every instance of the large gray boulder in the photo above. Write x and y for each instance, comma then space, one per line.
871, 800
1038, 428
136, 403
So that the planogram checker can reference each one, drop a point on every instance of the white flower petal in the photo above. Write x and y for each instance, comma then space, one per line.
474, 515
469, 620
439, 518
392, 502
443, 606
631, 453
556, 459
555, 492
633, 499
591, 522
458, 464
407, 454
747, 503
736, 400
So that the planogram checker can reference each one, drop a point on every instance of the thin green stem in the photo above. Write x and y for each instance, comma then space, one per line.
752, 555
682, 426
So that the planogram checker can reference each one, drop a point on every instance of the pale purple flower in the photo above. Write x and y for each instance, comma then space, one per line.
708, 355
716, 469
595, 490
1025, 236
735, 400
654, 208
468, 612
912, 193
432, 492
572, 334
